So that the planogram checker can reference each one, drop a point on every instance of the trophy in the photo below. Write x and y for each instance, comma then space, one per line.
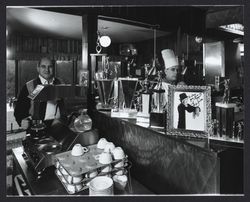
158, 114
105, 87
145, 100
126, 91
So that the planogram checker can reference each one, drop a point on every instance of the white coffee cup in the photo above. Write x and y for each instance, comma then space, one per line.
120, 181
64, 172
106, 169
102, 143
105, 158
91, 174
119, 164
58, 173
119, 172
118, 153
71, 188
77, 150
79, 187
109, 147
76, 180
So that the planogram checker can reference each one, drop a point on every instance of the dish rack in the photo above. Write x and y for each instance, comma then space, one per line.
75, 172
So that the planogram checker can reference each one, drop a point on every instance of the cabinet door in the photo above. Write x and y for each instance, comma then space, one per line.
27, 70
10, 78
64, 71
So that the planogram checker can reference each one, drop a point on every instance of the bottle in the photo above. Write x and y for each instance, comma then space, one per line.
83, 122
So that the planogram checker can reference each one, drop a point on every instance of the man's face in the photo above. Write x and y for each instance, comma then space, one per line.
171, 74
46, 69
185, 102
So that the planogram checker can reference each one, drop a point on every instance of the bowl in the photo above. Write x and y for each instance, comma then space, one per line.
77, 150
118, 153
102, 143
105, 158
101, 185
109, 147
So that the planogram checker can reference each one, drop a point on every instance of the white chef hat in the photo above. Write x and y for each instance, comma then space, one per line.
169, 58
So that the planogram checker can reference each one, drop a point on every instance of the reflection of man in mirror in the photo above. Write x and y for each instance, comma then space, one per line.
182, 108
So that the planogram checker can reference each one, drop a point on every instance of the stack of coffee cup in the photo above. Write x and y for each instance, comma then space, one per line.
119, 154
120, 179
106, 159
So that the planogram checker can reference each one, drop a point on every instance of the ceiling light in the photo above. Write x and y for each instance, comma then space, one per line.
105, 41
233, 28
198, 39
237, 40
102, 41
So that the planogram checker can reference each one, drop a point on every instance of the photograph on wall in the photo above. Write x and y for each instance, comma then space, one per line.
189, 111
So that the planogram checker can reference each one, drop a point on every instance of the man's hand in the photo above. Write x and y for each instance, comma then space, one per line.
196, 113
25, 123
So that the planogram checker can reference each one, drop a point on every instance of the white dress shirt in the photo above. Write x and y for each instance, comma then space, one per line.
52, 110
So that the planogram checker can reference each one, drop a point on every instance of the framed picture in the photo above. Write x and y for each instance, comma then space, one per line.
189, 111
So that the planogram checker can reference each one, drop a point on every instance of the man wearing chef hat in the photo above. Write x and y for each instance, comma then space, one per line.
171, 67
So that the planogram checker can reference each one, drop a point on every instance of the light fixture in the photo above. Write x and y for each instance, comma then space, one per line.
198, 39
105, 41
238, 40
7, 53
102, 41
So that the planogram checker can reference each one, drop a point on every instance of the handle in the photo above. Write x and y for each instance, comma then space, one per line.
18, 186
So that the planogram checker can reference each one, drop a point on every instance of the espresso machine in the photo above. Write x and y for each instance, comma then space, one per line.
42, 142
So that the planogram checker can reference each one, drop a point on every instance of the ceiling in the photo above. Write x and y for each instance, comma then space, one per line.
66, 22
46, 23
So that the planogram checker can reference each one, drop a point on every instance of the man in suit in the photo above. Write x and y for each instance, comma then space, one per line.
182, 108
48, 111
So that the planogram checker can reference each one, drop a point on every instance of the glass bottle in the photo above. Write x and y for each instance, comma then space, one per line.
83, 122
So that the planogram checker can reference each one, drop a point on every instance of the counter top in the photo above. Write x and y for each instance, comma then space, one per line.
210, 143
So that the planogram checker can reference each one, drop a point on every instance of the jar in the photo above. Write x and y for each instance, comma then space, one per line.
83, 122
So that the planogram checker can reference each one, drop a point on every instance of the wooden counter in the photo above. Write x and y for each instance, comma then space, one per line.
164, 164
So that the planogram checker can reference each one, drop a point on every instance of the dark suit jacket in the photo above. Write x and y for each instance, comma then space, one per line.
23, 103
182, 115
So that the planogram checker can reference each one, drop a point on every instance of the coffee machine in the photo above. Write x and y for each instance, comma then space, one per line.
42, 142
